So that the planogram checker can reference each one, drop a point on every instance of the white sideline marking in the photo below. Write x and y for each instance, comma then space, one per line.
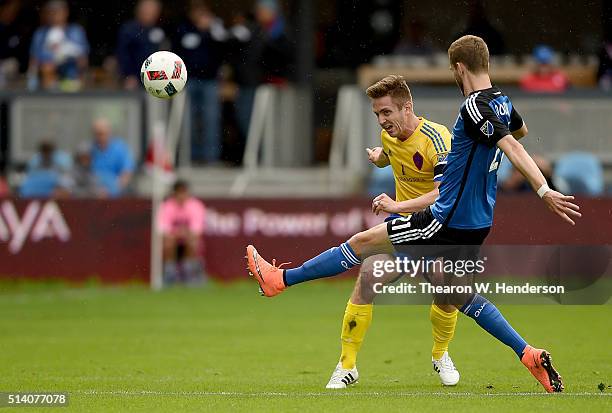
326, 393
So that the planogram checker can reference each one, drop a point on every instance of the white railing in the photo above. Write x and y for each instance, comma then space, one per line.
279, 134
350, 133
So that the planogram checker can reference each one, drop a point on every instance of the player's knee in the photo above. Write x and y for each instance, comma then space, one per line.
360, 241
366, 277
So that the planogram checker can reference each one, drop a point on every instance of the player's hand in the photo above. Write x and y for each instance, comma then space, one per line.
374, 154
384, 203
560, 204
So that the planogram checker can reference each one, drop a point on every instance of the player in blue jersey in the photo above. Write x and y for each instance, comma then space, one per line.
487, 127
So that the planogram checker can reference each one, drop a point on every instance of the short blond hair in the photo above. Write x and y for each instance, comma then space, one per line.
472, 51
392, 85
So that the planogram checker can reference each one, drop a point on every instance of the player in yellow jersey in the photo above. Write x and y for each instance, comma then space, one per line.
416, 149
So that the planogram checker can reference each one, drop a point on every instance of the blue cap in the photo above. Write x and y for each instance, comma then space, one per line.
543, 54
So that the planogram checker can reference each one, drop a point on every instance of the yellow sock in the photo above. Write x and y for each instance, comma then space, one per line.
357, 320
442, 328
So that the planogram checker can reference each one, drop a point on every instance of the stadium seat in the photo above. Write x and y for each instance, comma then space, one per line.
579, 173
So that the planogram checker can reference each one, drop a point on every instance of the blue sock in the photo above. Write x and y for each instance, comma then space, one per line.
489, 318
331, 262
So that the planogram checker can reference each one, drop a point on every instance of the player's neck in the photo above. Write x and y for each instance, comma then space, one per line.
412, 124
473, 82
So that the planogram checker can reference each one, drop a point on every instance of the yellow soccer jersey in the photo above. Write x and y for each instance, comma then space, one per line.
419, 160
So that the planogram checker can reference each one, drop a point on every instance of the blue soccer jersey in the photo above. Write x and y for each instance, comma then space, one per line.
469, 184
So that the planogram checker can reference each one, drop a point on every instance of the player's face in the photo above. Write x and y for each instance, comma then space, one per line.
391, 117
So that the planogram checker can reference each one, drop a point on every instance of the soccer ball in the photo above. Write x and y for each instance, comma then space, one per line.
163, 74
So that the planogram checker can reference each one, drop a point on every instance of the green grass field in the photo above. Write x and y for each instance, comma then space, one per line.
224, 348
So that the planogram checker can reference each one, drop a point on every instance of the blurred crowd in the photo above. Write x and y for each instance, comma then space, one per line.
100, 168
227, 61
252, 50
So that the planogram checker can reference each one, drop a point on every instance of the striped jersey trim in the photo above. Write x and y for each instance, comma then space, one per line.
435, 136
472, 109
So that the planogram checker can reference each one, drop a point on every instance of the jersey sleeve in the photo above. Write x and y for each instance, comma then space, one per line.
438, 150
383, 143
516, 120
481, 123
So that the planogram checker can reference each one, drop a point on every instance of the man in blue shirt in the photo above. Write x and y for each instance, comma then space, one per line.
138, 39
59, 50
111, 158
487, 127
47, 173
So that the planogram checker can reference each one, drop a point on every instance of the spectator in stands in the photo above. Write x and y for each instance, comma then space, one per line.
545, 77
180, 220
261, 53
579, 173
604, 71
138, 39
509, 179
47, 173
48, 154
111, 156
10, 41
479, 25
200, 41
59, 51
86, 183
243, 61
272, 42
414, 39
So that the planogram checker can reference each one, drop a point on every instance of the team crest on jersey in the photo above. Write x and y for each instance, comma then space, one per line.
487, 128
417, 158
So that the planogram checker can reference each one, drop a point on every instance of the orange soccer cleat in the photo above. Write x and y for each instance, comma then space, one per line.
269, 276
539, 363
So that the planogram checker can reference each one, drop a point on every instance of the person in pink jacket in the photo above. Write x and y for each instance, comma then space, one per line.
180, 219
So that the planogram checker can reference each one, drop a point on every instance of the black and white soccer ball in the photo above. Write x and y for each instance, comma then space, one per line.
163, 74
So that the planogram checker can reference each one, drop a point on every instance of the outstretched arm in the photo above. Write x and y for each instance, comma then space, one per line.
557, 202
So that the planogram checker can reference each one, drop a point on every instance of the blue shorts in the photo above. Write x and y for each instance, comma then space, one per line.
392, 217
